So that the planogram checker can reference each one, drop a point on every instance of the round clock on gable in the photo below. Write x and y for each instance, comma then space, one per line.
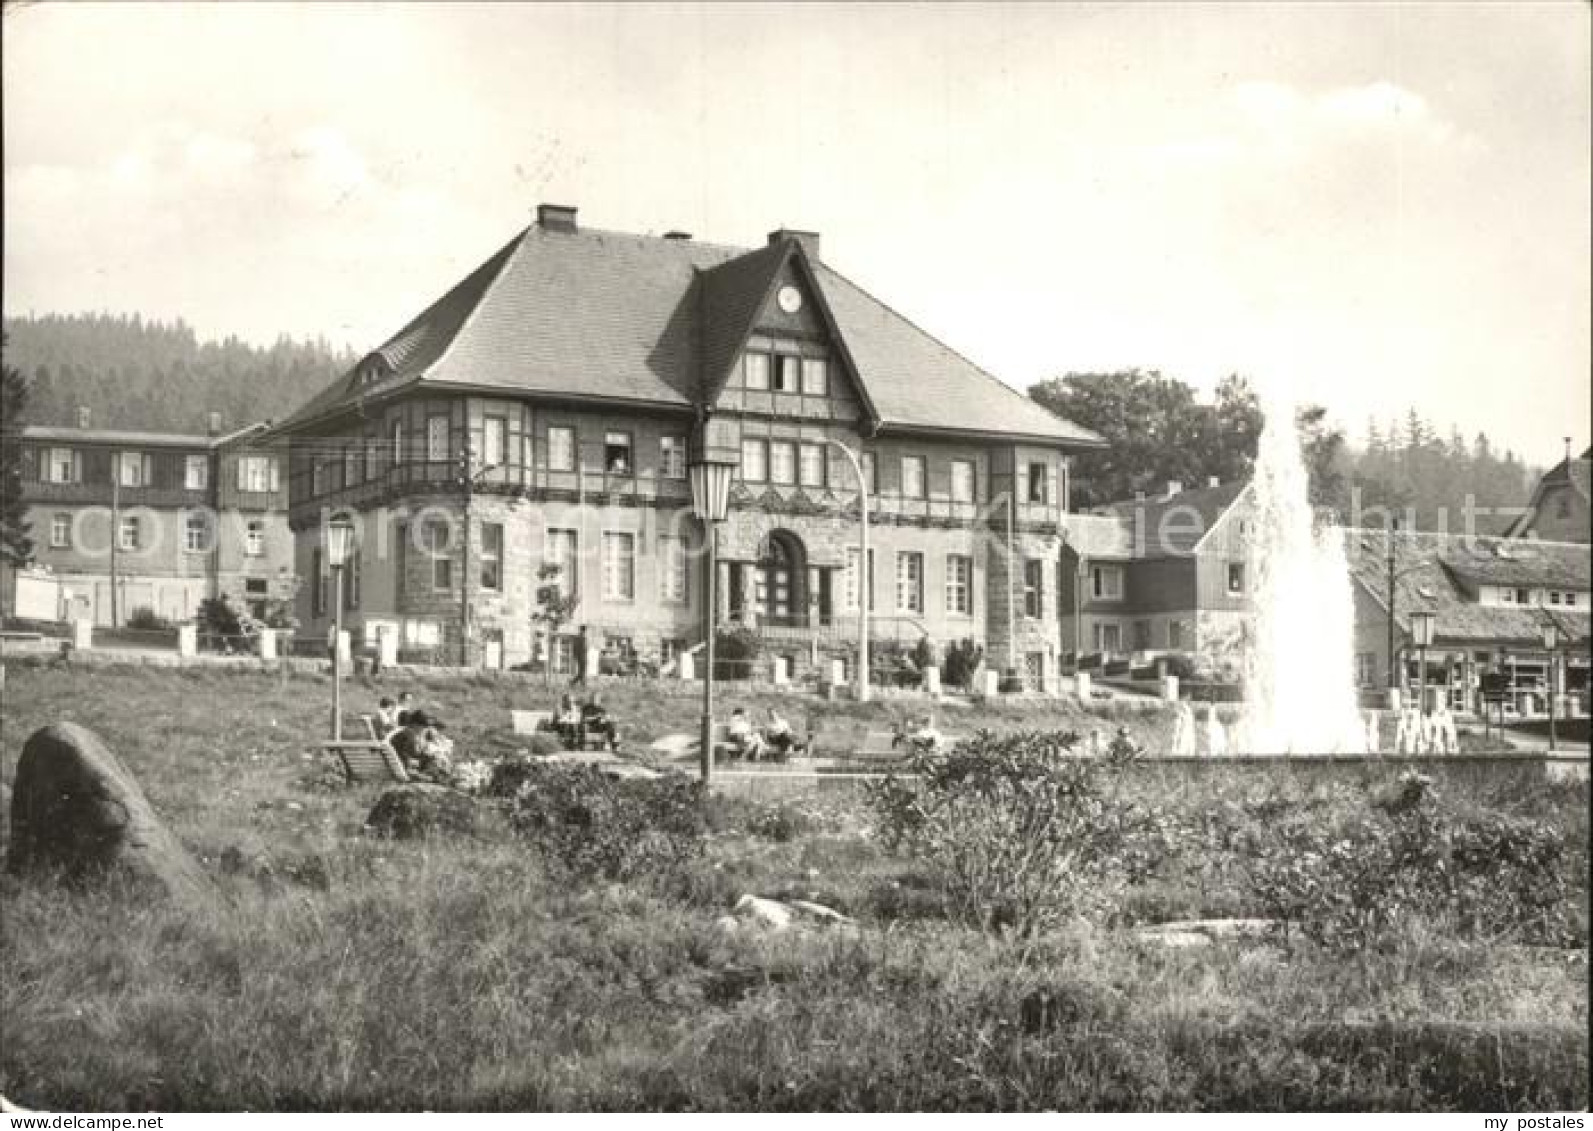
790, 299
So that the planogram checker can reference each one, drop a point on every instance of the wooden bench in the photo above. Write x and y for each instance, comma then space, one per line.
368, 759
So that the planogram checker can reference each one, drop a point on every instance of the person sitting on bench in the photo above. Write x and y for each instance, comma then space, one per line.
744, 741
595, 719
777, 734
567, 722
386, 716
925, 737
403, 707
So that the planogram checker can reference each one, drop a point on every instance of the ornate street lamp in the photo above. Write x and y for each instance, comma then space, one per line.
711, 473
339, 535
1551, 641
1421, 631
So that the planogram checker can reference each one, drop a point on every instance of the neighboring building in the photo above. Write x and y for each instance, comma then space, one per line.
577, 368
172, 518
1558, 510
1490, 597
1164, 574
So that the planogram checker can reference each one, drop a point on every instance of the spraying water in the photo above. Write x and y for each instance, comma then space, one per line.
1299, 666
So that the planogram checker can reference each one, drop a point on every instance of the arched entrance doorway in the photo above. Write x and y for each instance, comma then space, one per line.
780, 580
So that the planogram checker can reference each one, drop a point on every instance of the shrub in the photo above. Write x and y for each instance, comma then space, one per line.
779, 822
1017, 836
148, 620
963, 658
600, 827
1011, 682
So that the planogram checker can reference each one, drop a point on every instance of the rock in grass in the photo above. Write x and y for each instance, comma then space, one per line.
423, 809
78, 812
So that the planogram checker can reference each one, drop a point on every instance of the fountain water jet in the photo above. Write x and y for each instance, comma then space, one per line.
1299, 663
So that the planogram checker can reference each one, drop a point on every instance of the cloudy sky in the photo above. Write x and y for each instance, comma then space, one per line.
1382, 205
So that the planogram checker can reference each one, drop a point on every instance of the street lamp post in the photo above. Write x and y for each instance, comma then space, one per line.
1551, 642
1421, 630
863, 579
339, 534
710, 499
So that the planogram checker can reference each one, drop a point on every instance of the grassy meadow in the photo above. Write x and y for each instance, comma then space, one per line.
341, 971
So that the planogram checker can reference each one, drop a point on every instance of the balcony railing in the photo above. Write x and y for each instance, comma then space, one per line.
101, 493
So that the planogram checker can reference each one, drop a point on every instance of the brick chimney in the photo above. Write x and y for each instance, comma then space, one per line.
808, 240
556, 217
83, 416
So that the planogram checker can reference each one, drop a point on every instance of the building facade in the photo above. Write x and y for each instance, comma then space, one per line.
126, 520
1162, 574
1559, 508
543, 414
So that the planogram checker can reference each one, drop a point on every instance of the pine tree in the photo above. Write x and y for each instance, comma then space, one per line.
16, 547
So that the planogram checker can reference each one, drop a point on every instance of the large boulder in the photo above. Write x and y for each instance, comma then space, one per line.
424, 809
76, 811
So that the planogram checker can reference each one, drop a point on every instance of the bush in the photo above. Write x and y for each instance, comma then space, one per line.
148, 620
1017, 836
615, 829
963, 658
1011, 682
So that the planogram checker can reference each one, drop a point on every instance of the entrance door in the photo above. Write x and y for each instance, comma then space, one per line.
779, 580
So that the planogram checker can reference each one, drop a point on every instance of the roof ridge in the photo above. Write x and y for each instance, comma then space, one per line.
958, 354
713, 245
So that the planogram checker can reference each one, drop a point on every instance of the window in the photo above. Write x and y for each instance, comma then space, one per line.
196, 473
258, 473
871, 473
1175, 634
317, 477
1507, 596
1108, 638
255, 585
128, 535
1570, 600
673, 576
437, 439
1106, 583
1365, 669
562, 547
492, 555
1236, 578
812, 469
782, 461
617, 453
351, 583
318, 592
1554, 596
133, 469
373, 456
62, 466
754, 461
1523, 597
561, 449
815, 377
619, 566
959, 584
787, 374
913, 476
962, 481
1037, 482
196, 534
254, 538
755, 370
398, 442
437, 548
853, 556
493, 431
909, 582
1033, 588
672, 457
352, 457
61, 532
1142, 635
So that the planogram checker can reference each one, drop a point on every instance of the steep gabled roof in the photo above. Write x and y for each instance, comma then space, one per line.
1165, 533
601, 315
1574, 473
